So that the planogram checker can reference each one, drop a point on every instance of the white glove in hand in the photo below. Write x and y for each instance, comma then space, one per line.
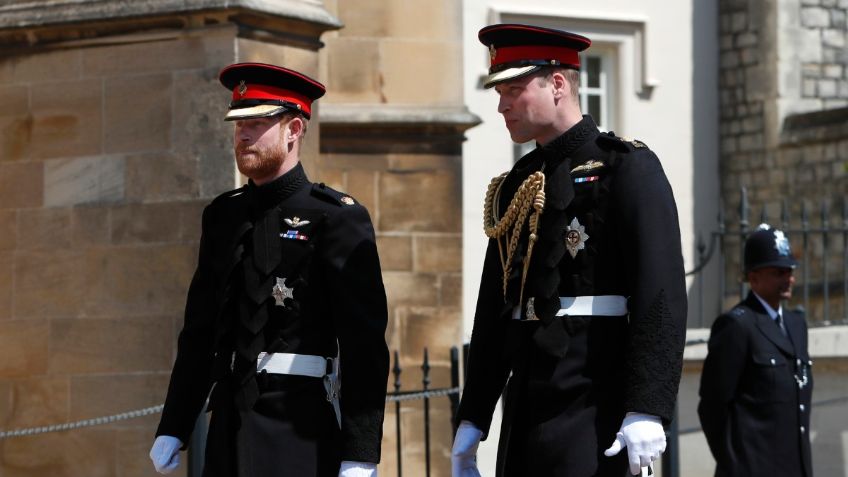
644, 437
464, 453
350, 468
165, 454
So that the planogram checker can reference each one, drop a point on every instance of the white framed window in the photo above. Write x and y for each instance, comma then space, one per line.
597, 91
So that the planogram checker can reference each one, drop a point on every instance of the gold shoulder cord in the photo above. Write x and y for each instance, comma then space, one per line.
531, 193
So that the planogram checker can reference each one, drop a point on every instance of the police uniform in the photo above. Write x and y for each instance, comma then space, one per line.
756, 386
287, 296
587, 313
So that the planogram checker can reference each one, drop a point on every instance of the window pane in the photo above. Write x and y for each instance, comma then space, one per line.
595, 108
593, 71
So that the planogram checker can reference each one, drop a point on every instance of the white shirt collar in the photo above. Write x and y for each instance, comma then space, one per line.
771, 311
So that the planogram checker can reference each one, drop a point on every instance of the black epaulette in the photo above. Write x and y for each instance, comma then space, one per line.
324, 192
229, 194
610, 141
738, 311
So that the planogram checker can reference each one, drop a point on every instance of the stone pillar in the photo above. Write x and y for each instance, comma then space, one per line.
392, 129
111, 142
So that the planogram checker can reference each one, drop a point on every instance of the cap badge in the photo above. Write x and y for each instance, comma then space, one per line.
781, 243
575, 237
347, 200
280, 292
296, 222
242, 88
493, 52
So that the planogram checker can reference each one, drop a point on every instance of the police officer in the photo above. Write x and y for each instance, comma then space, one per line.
287, 295
582, 298
757, 384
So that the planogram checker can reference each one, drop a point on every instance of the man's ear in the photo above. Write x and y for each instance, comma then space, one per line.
295, 129
560, 85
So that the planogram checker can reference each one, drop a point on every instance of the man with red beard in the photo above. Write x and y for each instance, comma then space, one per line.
287, 292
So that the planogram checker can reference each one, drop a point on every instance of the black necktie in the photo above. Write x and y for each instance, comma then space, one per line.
781, 324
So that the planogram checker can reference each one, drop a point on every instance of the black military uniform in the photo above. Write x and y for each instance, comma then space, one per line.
756, 385
582, 298
288, 268
574, 377
608, 234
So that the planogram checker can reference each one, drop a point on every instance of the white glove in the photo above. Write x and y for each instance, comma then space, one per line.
464, 453
165, 454
644, 437
350, 468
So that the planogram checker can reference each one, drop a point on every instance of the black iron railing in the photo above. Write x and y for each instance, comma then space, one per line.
821, 247
426, 394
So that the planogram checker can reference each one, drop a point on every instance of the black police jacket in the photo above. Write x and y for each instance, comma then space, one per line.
618, 192
319, 246
756, 389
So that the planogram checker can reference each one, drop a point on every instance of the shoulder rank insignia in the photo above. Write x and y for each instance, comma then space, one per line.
575, 237
347, 200
588, 166
296, 222
636, 143
737, 311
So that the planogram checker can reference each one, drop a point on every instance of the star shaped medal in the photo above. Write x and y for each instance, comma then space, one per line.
280, 292
575, 237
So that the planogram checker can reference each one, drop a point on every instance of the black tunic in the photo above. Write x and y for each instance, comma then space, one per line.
755, 416
574, 378
322, 243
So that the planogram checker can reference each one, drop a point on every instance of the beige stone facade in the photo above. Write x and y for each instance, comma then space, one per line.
392, 128
111, 142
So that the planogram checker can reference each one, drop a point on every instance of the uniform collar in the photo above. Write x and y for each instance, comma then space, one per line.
568, 142
269, 195
771, 311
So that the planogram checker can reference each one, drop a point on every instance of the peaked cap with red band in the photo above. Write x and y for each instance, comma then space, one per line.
261, 90
519, 50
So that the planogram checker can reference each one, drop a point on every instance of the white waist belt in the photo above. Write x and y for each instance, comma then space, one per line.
289, 363
600, 305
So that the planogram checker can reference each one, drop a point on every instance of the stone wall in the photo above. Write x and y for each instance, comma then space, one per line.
111, 142
782, 136
392, 129
825, 75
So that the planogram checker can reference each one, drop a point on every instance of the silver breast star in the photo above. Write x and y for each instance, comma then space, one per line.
575, 237
280, 292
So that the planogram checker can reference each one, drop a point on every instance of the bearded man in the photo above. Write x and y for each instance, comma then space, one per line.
287, 292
